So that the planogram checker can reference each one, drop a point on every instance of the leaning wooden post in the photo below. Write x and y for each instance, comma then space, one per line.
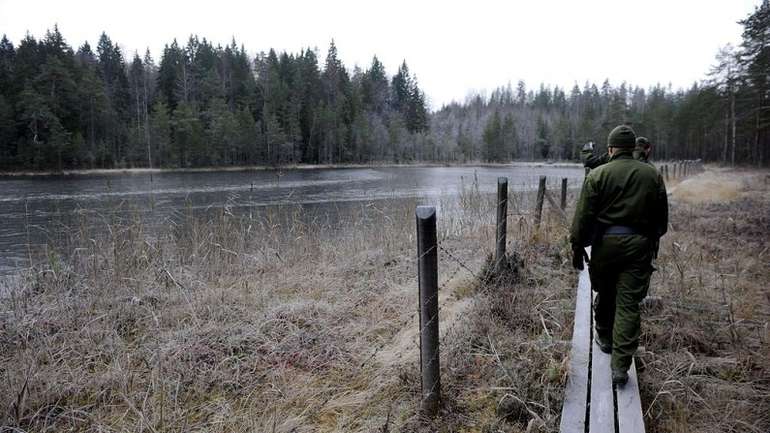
427, 268
502, 221
539, 204
563, 193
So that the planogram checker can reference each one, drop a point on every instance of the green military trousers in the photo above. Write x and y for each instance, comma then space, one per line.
620, 270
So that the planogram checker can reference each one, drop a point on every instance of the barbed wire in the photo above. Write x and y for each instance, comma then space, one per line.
442, 288
459, 265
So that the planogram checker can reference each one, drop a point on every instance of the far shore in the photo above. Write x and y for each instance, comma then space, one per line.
119, 171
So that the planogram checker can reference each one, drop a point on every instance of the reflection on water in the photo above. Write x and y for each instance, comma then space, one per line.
39, 210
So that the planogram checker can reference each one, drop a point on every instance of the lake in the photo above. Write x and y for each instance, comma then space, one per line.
36, 210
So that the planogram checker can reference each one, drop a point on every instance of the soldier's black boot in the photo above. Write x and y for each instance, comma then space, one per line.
605, 346
619, 377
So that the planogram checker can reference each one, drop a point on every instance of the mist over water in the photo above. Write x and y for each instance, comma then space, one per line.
39, 210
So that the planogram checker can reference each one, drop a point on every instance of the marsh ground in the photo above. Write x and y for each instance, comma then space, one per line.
233, 324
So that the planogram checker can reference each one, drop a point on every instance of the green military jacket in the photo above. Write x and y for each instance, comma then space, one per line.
592, 161
624, 192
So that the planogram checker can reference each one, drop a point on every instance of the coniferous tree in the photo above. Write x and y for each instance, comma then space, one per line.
211, 105
509, 138
493, 138
374, 87
8, 133
160, 131
755, 60
90, 109
188, 139
112, 71
543, 139
170, 75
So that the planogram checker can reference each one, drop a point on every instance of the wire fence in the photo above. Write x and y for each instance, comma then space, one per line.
430, 342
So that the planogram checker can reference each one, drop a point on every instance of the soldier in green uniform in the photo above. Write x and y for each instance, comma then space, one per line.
643, 149
642, 153
589, 159
621, 212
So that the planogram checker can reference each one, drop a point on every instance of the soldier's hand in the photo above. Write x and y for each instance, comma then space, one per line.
577, 257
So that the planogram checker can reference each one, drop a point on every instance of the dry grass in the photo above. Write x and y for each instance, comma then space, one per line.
709, 187
706, 357
286, 323
278, 322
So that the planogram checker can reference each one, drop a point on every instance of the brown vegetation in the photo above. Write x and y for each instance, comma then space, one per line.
706, 357
279, 323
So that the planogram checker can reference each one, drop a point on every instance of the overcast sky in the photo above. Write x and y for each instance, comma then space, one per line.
453, 47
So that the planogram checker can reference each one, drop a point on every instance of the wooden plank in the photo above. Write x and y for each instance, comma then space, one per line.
602, 416
630, 419
573, 413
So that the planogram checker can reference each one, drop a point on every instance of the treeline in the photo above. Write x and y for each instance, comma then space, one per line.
725, 118
206, 105
551, 123
202, 105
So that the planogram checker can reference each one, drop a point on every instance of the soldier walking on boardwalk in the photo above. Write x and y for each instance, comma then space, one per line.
622, 212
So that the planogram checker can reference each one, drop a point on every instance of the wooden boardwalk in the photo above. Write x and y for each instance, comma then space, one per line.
591, 403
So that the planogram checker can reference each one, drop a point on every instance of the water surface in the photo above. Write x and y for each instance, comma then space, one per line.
36, 210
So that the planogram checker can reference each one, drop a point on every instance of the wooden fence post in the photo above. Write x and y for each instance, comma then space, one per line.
563, 193
427, 268
502, 222
539, 204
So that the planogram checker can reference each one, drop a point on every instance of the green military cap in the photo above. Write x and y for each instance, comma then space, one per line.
622, 136
642, 142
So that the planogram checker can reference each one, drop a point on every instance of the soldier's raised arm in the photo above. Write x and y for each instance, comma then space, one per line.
589, 159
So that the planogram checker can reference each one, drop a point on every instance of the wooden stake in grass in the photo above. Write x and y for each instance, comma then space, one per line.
502, 222
563, 193
427, 268
539, 204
